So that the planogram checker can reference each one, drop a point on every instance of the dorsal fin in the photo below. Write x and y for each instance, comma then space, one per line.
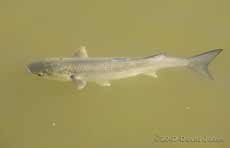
82, 53
160, 55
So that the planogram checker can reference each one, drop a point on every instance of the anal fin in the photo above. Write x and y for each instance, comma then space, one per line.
152, 74
103, 83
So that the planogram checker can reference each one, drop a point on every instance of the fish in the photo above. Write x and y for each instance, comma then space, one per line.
81, 69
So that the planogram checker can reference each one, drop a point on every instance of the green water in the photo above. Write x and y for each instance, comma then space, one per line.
132, 113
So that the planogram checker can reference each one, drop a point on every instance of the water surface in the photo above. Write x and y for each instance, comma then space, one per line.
133, 112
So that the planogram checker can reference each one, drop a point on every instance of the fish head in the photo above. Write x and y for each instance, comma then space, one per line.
49, 69
40, 68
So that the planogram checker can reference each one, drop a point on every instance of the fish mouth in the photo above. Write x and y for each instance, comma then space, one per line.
28, 70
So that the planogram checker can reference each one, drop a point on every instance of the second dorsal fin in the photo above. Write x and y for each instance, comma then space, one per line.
160, 56
81, 53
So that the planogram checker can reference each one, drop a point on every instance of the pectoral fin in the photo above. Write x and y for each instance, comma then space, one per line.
82, 53
152, 74
103, 83
79, 83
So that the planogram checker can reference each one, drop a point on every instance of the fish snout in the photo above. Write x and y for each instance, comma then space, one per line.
28, 70
36, 68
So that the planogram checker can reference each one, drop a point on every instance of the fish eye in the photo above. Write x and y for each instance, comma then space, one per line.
40, 74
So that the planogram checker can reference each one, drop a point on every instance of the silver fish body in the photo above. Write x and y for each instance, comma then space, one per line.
81, 68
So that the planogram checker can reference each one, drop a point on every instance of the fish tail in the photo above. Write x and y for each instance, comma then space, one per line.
199, 63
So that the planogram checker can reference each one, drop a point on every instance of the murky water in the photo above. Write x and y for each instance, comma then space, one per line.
133, 113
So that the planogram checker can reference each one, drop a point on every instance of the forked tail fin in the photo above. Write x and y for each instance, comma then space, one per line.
200, 62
